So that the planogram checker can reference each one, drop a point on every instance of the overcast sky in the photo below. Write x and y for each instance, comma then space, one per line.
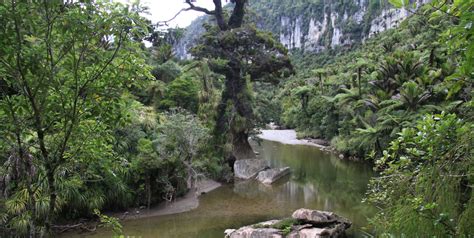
162, 10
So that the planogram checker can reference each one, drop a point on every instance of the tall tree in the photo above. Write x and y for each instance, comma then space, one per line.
67, 64
242, 54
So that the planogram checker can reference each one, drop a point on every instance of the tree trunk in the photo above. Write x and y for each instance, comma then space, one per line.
359, 74
148, 191
237, 16
235, 115
52, 199
321, 83
379, 147
191, 175
241, 147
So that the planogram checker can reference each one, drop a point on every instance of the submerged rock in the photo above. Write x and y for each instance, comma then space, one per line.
269, 176
248, 168
305, 223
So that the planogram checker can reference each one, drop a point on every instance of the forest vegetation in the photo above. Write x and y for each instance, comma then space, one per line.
91, 120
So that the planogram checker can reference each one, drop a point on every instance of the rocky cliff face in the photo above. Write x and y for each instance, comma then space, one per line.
335, 24
316, 25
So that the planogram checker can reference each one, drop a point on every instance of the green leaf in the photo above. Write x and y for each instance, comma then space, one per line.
399, 3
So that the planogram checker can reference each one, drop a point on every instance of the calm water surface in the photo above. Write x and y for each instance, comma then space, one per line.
319, 180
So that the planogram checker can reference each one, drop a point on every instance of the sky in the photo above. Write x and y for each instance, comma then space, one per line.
162, 10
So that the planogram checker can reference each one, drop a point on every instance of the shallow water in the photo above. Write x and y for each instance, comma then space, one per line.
318, 180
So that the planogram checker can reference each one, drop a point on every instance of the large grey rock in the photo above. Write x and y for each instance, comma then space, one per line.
337, 230
308, 233
228, 232
320, 218
260, 230
314, 216
307, 224
248, 168
269, 176
249, 232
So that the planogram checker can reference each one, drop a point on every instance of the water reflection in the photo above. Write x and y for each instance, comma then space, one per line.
318, 181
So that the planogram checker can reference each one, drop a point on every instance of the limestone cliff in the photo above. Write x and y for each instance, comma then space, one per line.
315, 25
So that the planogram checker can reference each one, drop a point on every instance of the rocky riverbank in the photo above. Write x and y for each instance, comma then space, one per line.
183, 204
289, 137
303, 223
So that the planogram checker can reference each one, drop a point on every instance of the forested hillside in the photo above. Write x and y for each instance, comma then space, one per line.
92, 122
403, 100
82, 130
375, 89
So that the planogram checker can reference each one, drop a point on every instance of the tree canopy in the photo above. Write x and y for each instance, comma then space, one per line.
63, 68
242, 54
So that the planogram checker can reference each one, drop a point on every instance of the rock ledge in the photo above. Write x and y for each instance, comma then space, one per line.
270, 176
304, 223
249, 168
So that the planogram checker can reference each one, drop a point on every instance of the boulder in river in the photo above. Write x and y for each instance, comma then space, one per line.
314, 216
314, 232
269, 176
304, 223
259, 230
319, 217
249, 168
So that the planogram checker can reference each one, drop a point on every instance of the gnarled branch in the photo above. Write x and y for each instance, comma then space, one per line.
217, 12
199, 9
165, 23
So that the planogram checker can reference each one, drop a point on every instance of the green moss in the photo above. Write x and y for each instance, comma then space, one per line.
284, 225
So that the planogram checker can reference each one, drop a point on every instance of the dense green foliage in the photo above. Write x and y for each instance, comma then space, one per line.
243, 54
63, 70
361, 99
162, 154
426, 180
402, 100
91, 120
74, 139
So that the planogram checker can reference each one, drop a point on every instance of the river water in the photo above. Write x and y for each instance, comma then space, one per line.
319, 180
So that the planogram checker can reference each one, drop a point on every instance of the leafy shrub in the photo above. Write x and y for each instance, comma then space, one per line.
426, 179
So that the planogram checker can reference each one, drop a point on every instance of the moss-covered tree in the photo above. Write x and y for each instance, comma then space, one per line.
242, 54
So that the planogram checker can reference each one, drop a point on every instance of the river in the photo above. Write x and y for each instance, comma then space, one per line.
319, 180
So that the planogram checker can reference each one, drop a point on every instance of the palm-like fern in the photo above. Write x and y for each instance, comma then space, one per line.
397, 69
369, 137
412, 95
